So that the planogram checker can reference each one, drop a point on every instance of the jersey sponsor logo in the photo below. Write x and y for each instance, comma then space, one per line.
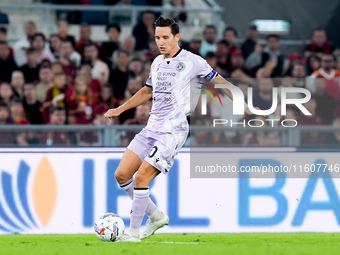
180, 66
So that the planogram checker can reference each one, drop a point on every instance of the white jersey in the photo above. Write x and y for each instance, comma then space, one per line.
173, 93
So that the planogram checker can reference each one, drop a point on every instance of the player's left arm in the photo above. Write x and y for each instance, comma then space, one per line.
220, 80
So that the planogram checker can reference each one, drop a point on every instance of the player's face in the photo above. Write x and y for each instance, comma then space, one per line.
166, 41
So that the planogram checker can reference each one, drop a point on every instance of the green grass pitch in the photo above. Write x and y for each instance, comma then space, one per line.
163, 244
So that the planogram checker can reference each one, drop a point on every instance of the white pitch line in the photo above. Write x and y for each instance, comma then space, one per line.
170, 242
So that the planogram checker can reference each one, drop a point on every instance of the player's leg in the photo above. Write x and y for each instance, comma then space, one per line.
128, 166
144, 176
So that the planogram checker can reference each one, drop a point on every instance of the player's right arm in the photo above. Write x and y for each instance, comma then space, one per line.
143, 95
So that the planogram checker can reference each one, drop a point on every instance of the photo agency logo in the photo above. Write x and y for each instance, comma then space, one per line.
283, 97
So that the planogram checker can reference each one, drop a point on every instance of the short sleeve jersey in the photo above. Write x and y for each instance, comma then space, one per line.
171, 80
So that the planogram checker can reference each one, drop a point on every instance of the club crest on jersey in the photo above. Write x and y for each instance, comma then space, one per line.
180, 66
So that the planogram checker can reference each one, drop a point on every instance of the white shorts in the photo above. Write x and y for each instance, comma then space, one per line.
158, 148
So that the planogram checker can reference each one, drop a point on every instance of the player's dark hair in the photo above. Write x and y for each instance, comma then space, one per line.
273, 36
3, 30
230, 29
167, 22
116, 26
37, 35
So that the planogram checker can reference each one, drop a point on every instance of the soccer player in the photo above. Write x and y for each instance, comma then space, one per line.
152, 151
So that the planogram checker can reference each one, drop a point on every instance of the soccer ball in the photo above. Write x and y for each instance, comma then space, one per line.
109, 227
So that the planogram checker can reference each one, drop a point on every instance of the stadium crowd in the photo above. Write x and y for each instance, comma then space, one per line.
59, 80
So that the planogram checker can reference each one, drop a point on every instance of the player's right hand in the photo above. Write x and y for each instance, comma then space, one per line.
112, 113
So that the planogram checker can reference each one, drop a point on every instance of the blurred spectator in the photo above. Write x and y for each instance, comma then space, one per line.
208, 43
195, 44
57, 138
211, 58
266, 138
3, 34
291, 115
179, 14
106, 101
55, 96
94, 84
17, 83
67, 51
287, 82
3, 37
7, 138
230, 35
129, 45
17, 112
299, 75
153, 51
248, 45
120, 75
136, 68
146, 71
263, 72
7, 93
132, 88
38, 43
100, 70
270, 57
223, 55
144, 30
331, 76
81, 102
237, 67
57, 67
32, 105
24, 43
108, 47
325, 104
312, 138
333, 139
265, 94
7, 64
141, 118
69, 65
319, 44
45, 83
31, 69
313, 64
85, 38
63, 32
55, 42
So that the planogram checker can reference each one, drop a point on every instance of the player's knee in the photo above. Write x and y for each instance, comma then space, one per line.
140, 180
122, 177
